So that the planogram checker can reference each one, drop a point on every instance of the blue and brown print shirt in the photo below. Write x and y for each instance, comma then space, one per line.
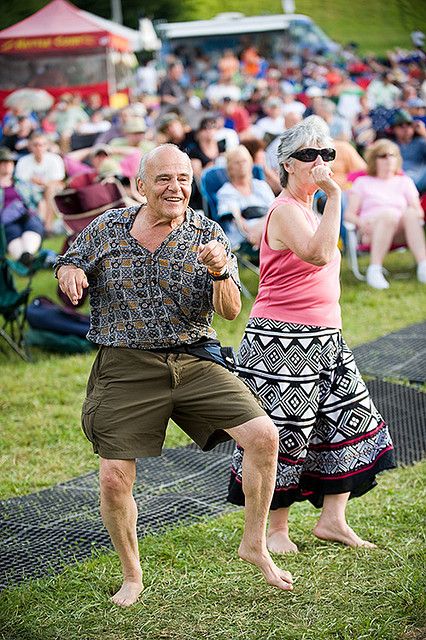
142, 299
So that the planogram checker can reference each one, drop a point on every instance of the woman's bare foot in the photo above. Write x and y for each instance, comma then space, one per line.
340, 533
279, 542
129, 592
274, 576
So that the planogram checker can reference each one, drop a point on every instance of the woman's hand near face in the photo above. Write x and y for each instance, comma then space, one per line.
321, 174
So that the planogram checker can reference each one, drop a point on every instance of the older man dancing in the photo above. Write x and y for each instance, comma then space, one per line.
156, 274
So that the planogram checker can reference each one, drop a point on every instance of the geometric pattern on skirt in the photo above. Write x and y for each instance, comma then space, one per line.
332, 439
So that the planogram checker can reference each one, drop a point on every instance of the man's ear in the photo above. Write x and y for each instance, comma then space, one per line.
288, 166
140, 186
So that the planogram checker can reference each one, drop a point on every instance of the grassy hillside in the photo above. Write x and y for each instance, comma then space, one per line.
374, 24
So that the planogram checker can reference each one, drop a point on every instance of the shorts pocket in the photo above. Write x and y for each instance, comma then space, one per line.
88, 413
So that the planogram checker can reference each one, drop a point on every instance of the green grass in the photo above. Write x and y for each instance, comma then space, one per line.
375, 25
40, 437
195, 586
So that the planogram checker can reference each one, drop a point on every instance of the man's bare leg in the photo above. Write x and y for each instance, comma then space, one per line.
277, 539
119, 514
332, 523
259, 439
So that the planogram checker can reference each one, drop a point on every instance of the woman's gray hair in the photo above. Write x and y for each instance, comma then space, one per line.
310, 131
142, 175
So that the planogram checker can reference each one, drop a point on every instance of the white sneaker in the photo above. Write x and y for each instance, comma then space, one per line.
375, 277
421, 272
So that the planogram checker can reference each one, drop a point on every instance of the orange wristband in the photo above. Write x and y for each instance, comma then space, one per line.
217, 273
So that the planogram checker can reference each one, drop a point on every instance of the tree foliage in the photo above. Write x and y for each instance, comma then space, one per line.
132, 10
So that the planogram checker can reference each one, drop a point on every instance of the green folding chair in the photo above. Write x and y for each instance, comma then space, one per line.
13, 303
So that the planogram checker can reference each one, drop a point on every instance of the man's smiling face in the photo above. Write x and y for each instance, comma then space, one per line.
167, 186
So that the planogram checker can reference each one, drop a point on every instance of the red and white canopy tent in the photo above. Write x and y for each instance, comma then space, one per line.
62, 48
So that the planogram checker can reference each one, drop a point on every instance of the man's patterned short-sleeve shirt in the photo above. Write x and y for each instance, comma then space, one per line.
142, 299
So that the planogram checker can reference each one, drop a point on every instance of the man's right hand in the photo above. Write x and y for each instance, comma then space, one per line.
72, 280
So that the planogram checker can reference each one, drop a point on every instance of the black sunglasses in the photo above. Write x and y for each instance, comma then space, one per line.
309, 155
389, 154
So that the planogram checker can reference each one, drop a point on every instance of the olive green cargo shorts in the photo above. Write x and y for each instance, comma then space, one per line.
132, 394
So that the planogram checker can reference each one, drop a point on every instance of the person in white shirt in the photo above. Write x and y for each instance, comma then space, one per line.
238, 195
381, 92
216, 92
290, 104
229, 136
147, 78
272, 124
45, 171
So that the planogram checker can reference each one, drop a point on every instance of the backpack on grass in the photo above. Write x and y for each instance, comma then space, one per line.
56, 328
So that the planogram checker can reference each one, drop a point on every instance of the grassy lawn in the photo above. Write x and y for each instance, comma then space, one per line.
375, 25
40, 438
195, 586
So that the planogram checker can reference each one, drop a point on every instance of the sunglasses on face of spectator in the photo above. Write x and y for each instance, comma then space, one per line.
387, 154
310, 155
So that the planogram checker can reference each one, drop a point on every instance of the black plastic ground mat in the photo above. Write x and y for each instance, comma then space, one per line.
401, 354
404, 409
42, 532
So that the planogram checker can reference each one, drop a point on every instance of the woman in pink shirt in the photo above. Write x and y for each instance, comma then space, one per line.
333, 441
385, 207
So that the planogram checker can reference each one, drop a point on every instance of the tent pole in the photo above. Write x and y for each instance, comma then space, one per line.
116, 11
112, 85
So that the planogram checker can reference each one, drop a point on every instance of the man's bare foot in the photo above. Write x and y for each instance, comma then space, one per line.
279, 542
129, 593
343, 534
274, 576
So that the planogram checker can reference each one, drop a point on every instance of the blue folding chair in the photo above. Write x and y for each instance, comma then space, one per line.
212, 179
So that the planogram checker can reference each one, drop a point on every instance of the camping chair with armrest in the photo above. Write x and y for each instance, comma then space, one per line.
13, 305
82, 140
212, 179
79, 206
353, 247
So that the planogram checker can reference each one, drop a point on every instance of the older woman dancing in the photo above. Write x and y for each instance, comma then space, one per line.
333, 441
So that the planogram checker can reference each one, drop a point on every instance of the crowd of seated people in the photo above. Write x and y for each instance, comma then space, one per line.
210, 108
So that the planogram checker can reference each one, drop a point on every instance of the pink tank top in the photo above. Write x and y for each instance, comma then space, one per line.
292, 290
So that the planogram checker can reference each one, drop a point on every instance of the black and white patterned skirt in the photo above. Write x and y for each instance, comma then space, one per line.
332, 438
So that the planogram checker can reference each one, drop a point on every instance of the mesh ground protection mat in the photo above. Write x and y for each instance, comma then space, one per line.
401, 354
42, 532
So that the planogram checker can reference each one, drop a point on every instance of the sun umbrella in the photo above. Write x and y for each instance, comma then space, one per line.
30, 99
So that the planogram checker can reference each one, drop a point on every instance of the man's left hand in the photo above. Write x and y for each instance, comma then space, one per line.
213, 255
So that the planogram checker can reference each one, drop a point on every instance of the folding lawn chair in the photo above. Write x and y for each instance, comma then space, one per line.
353, 246
79, 206
13, 305
82, 140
